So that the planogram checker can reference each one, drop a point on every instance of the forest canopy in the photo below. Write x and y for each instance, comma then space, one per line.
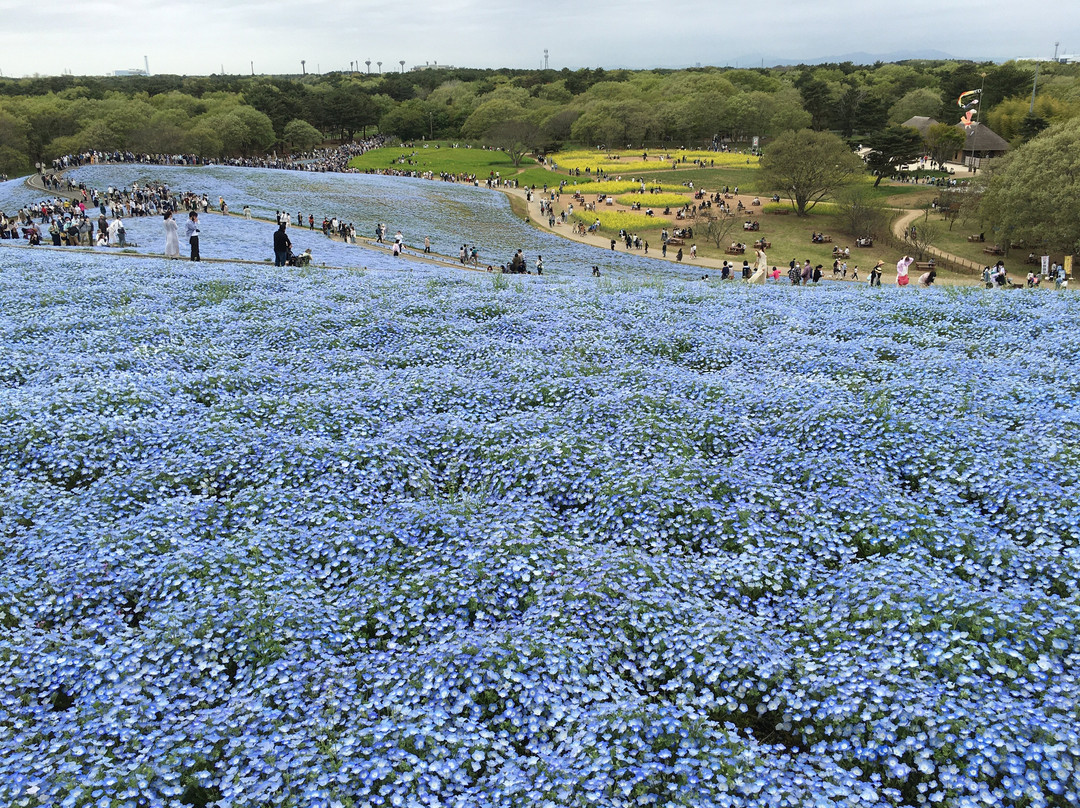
42, 118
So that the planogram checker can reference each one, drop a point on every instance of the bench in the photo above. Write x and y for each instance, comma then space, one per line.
995, 250
675, 242
866, 242
924, 266
976, 238
762, 244
822, 240
735, 251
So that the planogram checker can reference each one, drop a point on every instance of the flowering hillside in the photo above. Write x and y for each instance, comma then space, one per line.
338, 538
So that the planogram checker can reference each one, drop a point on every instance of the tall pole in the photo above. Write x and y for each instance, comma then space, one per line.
380, 67
368, 63
978, 110
402, 63
303, 66
1031, 109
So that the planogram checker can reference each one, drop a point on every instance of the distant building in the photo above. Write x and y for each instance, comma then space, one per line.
135, 71
1062, 58
920, 122
432, 66
981, 142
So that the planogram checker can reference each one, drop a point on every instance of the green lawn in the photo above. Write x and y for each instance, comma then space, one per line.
789, 234
439, 157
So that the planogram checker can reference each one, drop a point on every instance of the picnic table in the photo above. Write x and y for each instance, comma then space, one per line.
995, 250
675, 242
735, 250
762, 244
976, 237
823, 240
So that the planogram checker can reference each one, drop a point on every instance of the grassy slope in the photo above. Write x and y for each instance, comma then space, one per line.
790, 235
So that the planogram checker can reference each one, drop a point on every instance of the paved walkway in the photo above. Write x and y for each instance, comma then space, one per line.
36, 183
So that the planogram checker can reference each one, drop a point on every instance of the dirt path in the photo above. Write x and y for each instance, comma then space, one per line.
900, 227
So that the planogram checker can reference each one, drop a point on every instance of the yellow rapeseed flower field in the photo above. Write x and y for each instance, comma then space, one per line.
624, 161
616, 220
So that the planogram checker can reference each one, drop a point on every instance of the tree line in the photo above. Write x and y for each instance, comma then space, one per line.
523, 110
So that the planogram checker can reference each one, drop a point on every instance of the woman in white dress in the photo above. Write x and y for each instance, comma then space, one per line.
762, 266
172, 241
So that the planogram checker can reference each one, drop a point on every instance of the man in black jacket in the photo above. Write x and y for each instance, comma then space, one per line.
282, 245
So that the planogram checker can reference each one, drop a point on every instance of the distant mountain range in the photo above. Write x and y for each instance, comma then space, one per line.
749, 60
858, 57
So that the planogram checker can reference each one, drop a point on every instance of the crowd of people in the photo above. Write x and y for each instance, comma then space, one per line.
334, 159
83, 216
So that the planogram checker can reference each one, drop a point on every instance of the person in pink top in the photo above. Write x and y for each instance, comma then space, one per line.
902, 267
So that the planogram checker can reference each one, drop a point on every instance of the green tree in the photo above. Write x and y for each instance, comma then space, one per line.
301, 135
556, 129
1030, 194
921, 102
807, 166
488, 115
408, 120
848, 106
243, 130
863, 213
516, 137
944, 140
615, 124
1009, 117
891, 148
14, 146
816, 98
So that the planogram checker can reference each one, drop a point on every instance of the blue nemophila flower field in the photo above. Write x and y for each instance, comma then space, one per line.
284, 537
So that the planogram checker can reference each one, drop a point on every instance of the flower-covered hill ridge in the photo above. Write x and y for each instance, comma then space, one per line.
323, 538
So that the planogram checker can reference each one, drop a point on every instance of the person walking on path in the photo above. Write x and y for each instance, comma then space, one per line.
282, 245
192, 231
172, 240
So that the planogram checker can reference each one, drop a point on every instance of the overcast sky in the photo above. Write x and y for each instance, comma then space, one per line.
199, 37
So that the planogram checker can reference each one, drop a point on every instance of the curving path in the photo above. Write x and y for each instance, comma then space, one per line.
903, 222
